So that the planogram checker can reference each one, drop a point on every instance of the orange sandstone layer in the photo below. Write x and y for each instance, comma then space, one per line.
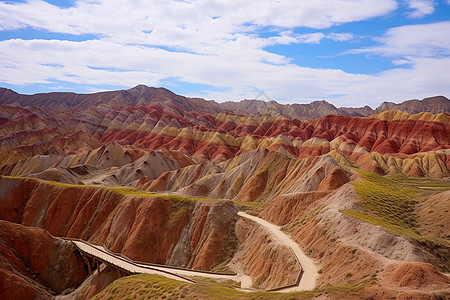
154, 229
35, 265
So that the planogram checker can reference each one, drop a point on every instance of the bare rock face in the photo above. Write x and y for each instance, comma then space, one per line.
435, 105
208, 239
318, 181
270, 264
93, 284
415, 275
143, 228
143, 95
286, 208
253, 187
335, 179
288, 158
126, 128
34, 265
340, 263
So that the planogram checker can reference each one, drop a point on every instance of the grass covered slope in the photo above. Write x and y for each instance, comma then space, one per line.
124, 191
387, 202
395, 203
157, 287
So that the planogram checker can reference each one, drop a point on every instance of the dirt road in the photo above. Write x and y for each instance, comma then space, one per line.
308, 281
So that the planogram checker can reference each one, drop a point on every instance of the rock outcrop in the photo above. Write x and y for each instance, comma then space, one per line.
142, 95
142, 227
270, 264
36, 265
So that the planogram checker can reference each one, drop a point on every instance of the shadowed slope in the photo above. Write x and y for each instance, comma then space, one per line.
35, 265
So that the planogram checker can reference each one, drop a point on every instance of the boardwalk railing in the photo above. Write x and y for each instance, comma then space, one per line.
122, 259
167, 266
159, 267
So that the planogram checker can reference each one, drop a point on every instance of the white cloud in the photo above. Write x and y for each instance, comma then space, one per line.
425, 40
287, 37
291, 13
190, 26
205, 27
217, 43
90, 62
112, 17
421, 8
399, 62
340, 37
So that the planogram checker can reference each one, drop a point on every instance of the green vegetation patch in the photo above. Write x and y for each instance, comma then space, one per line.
391, 201
252, 208
146, 286
126, 191
425, 187
411, 233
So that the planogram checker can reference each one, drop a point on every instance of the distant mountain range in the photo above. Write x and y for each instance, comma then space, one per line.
142, 95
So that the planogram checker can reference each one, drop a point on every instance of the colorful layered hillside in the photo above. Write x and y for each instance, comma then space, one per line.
142, 226
32, 262
165, 179
145, 119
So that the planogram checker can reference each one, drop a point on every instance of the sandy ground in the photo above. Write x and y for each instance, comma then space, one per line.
310, 275
246, 282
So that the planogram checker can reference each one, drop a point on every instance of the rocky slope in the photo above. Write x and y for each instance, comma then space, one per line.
122, 128
142, 95
270, 264
180, 232
434, 105
32, 261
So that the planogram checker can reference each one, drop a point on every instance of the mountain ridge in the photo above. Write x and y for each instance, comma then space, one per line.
142, 95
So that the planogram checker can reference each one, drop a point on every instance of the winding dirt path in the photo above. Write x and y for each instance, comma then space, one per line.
310, 275
307, 282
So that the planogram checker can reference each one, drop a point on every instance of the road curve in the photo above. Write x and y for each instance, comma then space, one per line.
307, 282
310, 275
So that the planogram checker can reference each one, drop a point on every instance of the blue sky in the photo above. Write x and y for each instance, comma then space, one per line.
348, 52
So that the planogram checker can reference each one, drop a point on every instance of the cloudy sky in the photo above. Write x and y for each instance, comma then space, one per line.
348, 52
